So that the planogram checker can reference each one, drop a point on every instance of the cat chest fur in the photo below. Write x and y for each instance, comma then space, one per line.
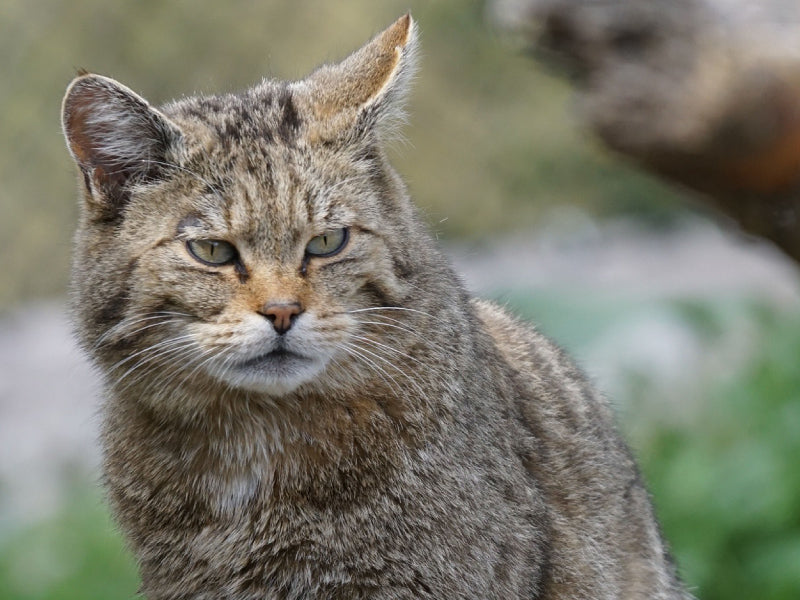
330, 519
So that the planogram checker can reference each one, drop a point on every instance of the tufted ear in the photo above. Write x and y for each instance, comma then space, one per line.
116, 138
367, 90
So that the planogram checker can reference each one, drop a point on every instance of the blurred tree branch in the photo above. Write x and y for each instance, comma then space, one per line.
705, 93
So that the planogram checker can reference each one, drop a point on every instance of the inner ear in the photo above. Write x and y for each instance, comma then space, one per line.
369, 87
115, 137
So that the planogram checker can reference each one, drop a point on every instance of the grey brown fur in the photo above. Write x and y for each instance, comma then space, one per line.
408, 442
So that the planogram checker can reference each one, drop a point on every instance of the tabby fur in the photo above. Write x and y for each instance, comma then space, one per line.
400, 440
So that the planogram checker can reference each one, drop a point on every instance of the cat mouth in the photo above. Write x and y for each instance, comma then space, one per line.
278, 371
273, 358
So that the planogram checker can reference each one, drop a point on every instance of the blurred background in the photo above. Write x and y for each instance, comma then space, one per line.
691, 329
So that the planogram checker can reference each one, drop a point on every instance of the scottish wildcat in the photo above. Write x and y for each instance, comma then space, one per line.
302, 401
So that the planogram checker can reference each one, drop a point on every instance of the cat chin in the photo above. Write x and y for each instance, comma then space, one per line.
274, 378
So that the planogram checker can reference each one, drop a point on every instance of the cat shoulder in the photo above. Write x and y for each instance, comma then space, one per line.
544, 367
517, 340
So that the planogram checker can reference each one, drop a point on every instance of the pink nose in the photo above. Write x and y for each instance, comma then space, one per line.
282, 315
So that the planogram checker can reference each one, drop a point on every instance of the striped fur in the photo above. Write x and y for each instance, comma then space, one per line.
399, 439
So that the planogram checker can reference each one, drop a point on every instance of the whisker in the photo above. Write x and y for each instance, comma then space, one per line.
401, 308
387, 347
163, 351
186, 360
394, 366
203, 359
146, 327
400, 327
173, 355
156, 351
380, 351
181, 365
130, 321
387, 324
150, 348
197, 358
354, 350
226, 362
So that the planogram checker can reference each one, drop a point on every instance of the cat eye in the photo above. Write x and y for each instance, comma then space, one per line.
212, 252
329, 243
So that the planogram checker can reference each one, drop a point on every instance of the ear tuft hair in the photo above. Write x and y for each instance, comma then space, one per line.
115, 137
367, 90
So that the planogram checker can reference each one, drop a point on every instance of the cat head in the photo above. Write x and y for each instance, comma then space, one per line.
255, 239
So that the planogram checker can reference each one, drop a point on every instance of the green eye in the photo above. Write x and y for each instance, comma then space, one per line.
329, 243
212, 252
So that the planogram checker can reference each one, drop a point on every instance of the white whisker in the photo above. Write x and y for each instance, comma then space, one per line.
400, 308
393, 365
205, 357
387, 347
158, 345
164, 351
163, 316
173, 355
400, 327
354, 350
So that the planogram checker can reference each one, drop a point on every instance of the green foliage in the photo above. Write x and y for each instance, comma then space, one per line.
76, 555
492, 146
728, 484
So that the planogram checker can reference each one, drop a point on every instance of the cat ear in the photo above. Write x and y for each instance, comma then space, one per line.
367, 90
116, 138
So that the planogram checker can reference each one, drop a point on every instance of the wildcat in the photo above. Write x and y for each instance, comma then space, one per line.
302, 400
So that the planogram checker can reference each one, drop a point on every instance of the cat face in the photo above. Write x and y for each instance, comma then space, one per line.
269, 265
254, 239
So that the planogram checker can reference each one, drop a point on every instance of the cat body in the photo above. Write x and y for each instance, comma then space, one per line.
302, 399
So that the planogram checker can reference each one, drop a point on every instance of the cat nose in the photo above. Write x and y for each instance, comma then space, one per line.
281, 314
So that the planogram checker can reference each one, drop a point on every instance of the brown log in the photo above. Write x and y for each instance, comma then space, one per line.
705, 93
